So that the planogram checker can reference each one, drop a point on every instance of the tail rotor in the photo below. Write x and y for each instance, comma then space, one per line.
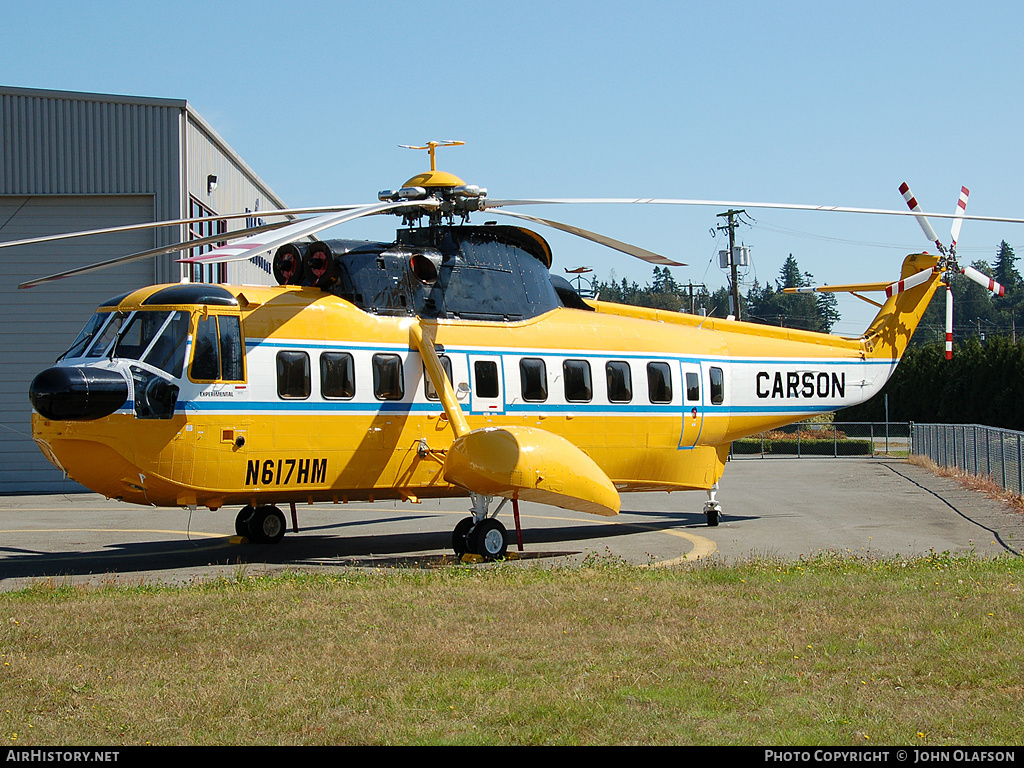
947, 265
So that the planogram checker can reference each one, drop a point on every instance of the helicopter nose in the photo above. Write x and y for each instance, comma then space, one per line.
77, 394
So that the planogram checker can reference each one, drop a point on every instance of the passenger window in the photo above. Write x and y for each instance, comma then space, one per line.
486, 374
388, 379
533, 377
293, 379
620, 381
692, 387
717, 388
659, 382
337, 376
576, 377
428, 385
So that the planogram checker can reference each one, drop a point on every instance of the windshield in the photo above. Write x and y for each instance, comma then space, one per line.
157, 338
107, 335
87, 335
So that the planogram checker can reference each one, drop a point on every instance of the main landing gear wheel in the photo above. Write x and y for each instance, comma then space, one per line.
479, 534
242, 521
460, 536
267, 525
487, 539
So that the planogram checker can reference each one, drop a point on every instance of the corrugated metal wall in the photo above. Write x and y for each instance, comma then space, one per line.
38, 324
73, 161
238, 189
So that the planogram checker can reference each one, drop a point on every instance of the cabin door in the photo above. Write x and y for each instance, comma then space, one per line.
693, 405
487, 384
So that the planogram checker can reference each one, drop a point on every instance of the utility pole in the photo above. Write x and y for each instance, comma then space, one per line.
690, 286
731, 215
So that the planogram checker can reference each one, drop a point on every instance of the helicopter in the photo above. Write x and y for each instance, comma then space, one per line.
450, 362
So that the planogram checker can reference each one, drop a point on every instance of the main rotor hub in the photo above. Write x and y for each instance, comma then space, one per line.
434, 178
455, 197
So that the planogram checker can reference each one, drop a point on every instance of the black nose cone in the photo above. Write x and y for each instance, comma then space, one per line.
77, 394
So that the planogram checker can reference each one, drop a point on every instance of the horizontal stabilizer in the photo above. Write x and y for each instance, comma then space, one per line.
850, 288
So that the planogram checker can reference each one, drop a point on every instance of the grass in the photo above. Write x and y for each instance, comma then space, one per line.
835, 650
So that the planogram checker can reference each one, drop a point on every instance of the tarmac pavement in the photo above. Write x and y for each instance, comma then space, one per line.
774, 507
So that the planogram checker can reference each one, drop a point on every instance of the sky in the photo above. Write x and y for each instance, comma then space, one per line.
792, 102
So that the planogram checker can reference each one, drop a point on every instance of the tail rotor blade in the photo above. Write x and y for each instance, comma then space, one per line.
919, 215
984, 281
961, 207
949, 323
911, 282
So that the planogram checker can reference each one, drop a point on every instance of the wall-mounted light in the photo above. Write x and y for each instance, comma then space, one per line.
211, 184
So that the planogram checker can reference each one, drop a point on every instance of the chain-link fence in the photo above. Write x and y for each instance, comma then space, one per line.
974, 448
828, 439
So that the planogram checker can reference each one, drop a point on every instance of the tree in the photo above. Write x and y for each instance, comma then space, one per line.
812, 312
1004, 272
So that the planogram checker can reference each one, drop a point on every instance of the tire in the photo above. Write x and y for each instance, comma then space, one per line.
712, 518
460, 540
487, 539
267, 525
242, 521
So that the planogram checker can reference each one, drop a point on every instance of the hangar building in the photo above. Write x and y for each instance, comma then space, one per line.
82, 161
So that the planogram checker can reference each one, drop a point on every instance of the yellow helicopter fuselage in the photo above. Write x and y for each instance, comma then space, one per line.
328, 402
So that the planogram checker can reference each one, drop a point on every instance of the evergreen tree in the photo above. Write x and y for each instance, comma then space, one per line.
812, 312
1004, 272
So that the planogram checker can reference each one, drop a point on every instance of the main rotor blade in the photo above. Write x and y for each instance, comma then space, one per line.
287, 232
490, 204
177, 222
618, 245
250, 246
961, 208
983, 280
147, 254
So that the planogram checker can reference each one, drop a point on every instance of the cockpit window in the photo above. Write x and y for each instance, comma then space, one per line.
135, 339
167, 352
87, 335
156, 338
106, 337
218, 356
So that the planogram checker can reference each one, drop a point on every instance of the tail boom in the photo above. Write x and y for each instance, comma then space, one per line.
890, 332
